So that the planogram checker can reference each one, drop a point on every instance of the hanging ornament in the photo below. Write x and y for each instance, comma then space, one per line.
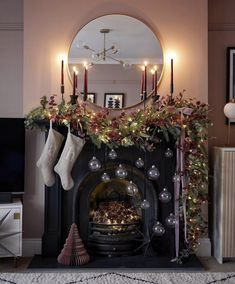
132, 188
153, 173
176, 178
105, 177
165, 195
121, 172
145, 204
112, 154
168, 153
158, 229
139, 163
170, 221
94, 164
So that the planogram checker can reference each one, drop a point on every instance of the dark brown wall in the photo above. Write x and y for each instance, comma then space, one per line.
221, 35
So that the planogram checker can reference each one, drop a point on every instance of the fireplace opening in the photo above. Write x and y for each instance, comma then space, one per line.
110, 222
82, 205
115, 219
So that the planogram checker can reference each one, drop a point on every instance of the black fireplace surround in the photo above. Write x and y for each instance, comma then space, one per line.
62, 208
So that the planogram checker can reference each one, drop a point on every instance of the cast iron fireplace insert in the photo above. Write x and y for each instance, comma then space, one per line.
62, 208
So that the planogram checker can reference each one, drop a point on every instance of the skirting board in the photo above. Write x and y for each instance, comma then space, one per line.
30, 247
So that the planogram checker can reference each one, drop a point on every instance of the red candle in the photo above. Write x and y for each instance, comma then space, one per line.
74, 83
142, 82
85, 84
62, 72
172, 84
155, 82
145, 78
153, 79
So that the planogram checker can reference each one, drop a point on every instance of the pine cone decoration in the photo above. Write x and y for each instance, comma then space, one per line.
115, 212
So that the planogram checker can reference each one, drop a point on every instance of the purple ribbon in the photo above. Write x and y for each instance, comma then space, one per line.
176, 199
180, 182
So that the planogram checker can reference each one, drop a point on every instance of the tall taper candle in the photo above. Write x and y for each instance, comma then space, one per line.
62, 80
153, 79
74, 83
145, 78
142, 82
155, 82
85, 84
145, 81
62, 72
172, 83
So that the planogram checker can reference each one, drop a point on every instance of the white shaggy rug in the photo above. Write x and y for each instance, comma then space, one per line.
116, 278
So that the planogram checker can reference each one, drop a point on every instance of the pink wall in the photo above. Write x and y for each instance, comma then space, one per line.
51, 25
11, 58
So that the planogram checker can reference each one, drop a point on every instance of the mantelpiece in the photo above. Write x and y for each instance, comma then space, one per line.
184, 120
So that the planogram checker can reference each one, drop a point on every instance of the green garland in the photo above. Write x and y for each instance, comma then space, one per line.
143, 128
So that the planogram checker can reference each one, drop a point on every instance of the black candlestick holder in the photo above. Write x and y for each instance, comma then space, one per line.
62, 92
144, 95
73, 99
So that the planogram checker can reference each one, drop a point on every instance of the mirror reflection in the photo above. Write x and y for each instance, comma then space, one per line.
114, 49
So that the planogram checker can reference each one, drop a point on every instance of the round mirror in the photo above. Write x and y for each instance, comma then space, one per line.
115, 49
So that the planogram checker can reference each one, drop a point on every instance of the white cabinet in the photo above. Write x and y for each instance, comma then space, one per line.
224, 200
11, 229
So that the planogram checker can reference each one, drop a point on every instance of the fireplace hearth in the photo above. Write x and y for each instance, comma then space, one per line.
111, 223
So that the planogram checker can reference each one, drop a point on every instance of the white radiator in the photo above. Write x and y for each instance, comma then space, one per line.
224, 203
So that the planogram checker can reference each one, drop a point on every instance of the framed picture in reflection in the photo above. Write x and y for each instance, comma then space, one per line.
114, 100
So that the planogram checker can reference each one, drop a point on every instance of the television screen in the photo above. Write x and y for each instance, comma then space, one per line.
12, 155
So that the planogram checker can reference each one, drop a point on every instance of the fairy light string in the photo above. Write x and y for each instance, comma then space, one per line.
134, 128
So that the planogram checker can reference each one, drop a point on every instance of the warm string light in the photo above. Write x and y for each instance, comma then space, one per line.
99, 128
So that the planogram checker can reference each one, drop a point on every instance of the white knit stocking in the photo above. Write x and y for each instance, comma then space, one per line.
72, 149
48, 157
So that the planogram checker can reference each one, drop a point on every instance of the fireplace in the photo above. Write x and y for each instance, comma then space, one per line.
110, 222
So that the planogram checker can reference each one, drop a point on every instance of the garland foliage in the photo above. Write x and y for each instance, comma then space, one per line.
143, 128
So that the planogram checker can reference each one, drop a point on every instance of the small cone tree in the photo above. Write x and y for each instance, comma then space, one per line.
73, 252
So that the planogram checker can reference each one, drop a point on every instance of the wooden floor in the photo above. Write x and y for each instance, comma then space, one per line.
209, 263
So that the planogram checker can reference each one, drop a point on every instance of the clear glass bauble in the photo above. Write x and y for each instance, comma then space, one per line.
168, 153
121, 172
171, 221
145, 204
176, 178
158, 229
112, 154
153, 173
165, 195
105, 177
139, 163
94, 164
132, 188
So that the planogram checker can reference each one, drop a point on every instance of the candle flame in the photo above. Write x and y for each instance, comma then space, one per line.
155, 67
142, 68
74, 69
62, 56
145, 63
152, 71
171, 55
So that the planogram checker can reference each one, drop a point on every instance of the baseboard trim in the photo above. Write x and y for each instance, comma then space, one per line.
30, 247
204, 248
